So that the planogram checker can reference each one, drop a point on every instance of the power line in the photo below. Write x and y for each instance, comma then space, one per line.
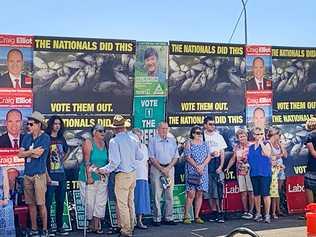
242, 11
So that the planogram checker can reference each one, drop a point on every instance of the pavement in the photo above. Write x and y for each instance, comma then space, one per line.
290, 226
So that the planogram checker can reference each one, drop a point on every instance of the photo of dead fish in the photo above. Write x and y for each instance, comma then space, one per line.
89, 72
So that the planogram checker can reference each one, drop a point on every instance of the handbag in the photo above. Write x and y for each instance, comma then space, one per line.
194, 179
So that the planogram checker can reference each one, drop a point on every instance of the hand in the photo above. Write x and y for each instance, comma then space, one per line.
102, 171
4, 202
165, 171
49, 180
90, 180
218, 170
215, 153
38, 151
199, 169
226, 170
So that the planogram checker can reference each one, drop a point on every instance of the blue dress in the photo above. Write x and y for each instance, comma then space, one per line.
198, 153
7, 227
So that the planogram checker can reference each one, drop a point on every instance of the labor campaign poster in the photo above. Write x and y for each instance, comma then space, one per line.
205, 79
294, 85
151, 68
258, 86
87, 81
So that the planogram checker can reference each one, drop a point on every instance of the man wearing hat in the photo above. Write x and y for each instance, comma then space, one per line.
34, 148
124, 150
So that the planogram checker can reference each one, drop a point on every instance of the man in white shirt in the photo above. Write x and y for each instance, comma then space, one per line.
13, 137
217, 145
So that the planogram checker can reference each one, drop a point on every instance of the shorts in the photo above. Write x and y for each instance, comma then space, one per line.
244, 183
35, 189
310, 180
215, 187
261, 185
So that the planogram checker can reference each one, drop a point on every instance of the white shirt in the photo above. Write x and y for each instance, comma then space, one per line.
12, 140
215, 141
258, 82
142, 165
13, 78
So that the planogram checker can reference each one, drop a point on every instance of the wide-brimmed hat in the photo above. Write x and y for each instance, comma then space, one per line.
120, 122
37, 116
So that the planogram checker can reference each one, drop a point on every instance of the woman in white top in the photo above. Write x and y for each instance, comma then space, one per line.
142, 197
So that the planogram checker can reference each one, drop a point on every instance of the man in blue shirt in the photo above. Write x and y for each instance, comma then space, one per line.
124, 150
35, 148
163, 155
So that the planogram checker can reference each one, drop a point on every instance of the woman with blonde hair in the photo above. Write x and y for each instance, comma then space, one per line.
310, 175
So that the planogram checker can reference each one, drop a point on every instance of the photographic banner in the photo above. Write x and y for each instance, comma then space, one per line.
151, 68
205, 79
258, 86
294, 85
86, 81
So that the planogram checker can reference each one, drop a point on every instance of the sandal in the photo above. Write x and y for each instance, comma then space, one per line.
113, 230
99, 232
198, 220
186, 220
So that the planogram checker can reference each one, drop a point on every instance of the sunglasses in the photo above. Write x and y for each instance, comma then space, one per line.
211, 124
101, 131
257, 134
198, 133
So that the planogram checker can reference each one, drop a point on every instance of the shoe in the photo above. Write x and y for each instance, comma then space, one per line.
170, 223
267, 219
220, 218
113, 230
258, 218
247, 216
156, 223
214, 217
199, 221
274, 216
63, 232
125, 235
51, 233
186, 220
141, 226
44, 233
34, 233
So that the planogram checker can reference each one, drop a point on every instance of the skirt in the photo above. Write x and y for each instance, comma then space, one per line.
142, 198
7, 227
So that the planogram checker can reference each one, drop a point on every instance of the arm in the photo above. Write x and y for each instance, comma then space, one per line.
114, 159
222, 157
231, 162
153, 161
6, 191
32, 153
86, 150
266, 149
311, 149
175, 158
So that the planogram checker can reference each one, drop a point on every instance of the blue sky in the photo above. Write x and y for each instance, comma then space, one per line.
288, 23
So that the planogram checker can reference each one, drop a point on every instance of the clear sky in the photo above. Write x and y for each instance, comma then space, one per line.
274, 22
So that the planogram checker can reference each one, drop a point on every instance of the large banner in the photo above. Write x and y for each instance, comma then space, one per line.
16, 97
294, 85
86, 81
151, 68
205, 78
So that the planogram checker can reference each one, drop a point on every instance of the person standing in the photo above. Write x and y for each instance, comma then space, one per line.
142, 195
57, 151
35, 149
163, 155
7, 227
93, 187
197, 158
217, 145
240, 156
310, 175
260, 172
124, 151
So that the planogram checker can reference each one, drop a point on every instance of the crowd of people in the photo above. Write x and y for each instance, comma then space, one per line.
142, 172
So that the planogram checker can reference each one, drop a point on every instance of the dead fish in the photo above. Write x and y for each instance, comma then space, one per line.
44, 75
58, 83
124, 59
100, 60
74, 142
187, 84
295, 149
131, 64
184, 68
89, 70
81, 78
210, 73
233, 78
299, 64
310, 87
279, 70
122, 78
39, 63
104, 86
209, 62
302, 133
222, 86
291, 69
198, 67
70, 86
177, 76
173, 65
217, 63
89, 59
190, 73
242, 66
75, 64
71, 57
53, 65
281, 85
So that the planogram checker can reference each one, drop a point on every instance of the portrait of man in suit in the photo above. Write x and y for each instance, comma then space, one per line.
14, 78
258, 81
13, 137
